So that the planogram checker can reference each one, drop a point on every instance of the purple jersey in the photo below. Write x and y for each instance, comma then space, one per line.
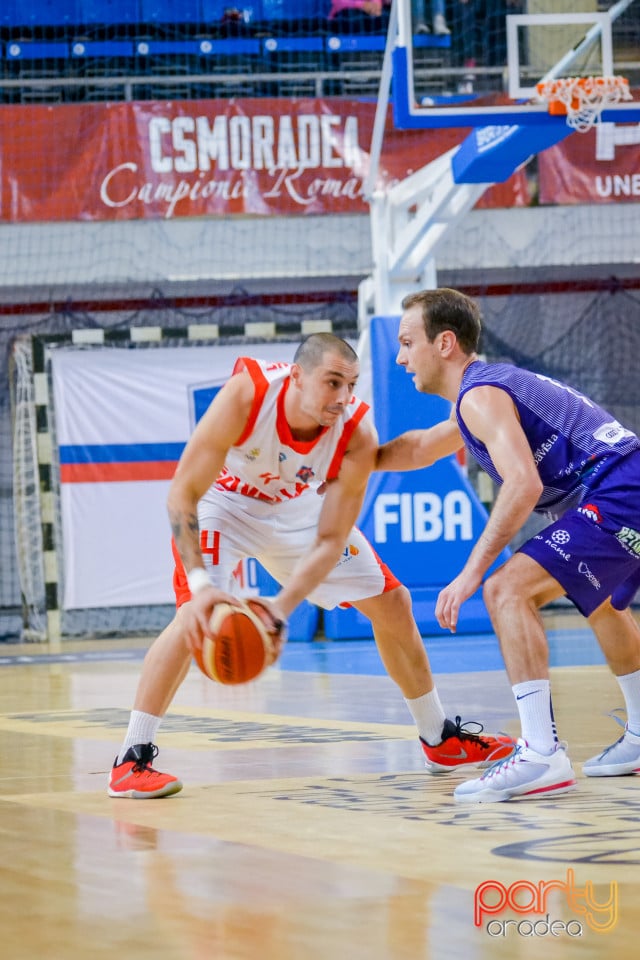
573, 440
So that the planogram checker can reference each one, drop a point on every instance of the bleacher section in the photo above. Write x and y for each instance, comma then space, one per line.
302, 16
74, 50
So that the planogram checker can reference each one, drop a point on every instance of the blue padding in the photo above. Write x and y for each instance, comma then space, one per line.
348, 42
107, 48
163, 48
39, 13
109, 12
229, 48
430, 40
36, 51
352, 625
491, 154
303, 622
170, 11
293, 45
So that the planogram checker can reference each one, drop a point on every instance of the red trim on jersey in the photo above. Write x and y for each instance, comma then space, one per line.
347, 433
261, 384
390, 579
284, 430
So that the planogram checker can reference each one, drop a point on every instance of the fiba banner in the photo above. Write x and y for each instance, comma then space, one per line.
601, 166
149, 159
122, 418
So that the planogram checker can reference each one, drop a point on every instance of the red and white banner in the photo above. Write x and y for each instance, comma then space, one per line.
601, 166
158, 159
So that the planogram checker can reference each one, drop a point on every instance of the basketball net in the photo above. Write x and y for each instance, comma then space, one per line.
583, 99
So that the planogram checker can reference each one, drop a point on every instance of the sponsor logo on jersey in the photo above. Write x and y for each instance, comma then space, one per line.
349, 551
630, 540
544, 448
612, 433
591, 511
591, 577
305, 474
253, 454
557, 540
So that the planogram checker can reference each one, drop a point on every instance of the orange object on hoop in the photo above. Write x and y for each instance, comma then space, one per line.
583, 99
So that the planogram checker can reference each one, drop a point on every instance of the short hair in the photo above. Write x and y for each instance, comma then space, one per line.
447, 309
311, 351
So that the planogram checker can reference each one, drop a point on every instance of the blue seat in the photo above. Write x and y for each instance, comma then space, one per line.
294, 9
109, 12
38, 13
170, 11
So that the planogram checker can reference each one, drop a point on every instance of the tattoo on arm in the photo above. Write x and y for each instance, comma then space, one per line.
185, 530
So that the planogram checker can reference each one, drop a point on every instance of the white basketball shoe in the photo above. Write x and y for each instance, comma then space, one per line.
618, 760
525, 775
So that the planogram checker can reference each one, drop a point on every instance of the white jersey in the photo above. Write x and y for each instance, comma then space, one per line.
264, 503
267, 463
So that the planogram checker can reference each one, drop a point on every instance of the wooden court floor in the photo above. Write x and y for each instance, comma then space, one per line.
308, 828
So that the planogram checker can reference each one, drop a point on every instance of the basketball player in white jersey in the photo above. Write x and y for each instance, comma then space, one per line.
247, 486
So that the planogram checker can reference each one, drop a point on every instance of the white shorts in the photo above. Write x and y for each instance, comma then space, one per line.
234, 527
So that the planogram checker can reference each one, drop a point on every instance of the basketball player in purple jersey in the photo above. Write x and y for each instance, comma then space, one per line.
555, 452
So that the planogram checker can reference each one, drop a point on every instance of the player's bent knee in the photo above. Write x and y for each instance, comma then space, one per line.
401, 597
497, 589
388, 606
506, 588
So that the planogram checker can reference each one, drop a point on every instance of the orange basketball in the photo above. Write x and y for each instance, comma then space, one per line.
240, 647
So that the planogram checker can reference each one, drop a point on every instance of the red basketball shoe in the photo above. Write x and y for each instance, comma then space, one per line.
464, 747
136, 779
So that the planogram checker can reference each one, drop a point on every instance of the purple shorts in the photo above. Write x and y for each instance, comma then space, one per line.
593, 550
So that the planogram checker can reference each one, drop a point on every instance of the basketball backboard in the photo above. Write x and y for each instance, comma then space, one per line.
491, 68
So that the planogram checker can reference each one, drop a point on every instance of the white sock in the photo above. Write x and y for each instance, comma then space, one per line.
533, 699
428, 716
630, 686
142, 729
